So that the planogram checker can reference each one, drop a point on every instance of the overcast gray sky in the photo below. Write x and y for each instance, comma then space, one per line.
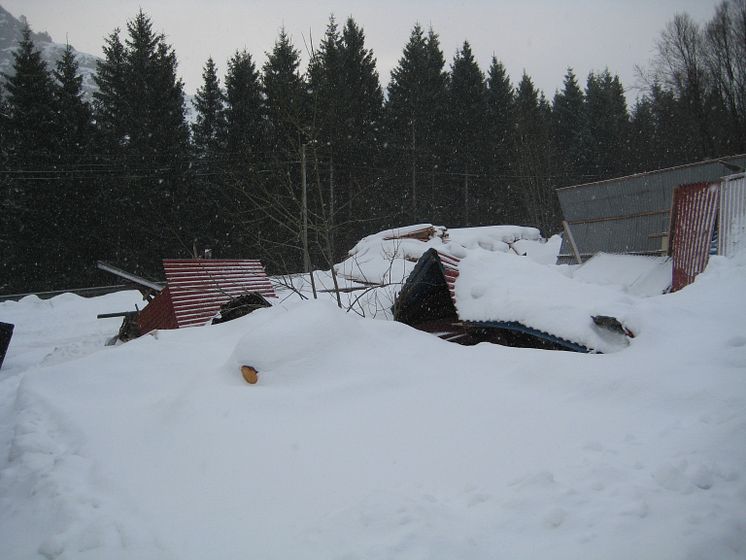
543, 37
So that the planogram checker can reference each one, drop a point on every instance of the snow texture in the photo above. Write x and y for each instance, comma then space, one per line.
368, 439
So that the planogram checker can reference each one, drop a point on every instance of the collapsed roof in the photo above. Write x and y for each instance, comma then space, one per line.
504, 298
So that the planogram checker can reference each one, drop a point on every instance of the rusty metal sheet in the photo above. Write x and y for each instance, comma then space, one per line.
732, 216
693, 217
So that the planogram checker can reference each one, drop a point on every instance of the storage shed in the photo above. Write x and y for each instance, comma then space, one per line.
630, 215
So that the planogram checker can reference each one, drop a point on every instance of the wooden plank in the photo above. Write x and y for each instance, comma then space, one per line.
621, 217
571, 239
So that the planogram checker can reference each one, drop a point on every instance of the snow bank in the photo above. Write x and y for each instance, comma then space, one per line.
635, 274
367, 439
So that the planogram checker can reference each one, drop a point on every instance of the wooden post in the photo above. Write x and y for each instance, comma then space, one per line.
571, 239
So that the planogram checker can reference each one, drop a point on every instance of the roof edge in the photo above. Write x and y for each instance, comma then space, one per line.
653, 172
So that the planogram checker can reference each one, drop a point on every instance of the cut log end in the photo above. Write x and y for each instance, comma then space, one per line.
250, 375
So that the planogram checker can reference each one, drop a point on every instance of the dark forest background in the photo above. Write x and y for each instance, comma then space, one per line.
124, 177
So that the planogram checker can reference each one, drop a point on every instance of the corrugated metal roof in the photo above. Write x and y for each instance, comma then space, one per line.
199, 287
427, 301
732, 218
630, 214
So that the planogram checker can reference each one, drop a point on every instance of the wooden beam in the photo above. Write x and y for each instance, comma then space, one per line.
571, 239
617, 218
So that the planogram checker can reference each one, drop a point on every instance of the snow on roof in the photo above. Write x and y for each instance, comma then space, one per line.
497, 287
389, 256
635, 274
492, 238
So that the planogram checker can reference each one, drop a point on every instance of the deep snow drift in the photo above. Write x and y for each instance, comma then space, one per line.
368, 439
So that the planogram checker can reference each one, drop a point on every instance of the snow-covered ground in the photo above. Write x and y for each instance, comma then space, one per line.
368, 439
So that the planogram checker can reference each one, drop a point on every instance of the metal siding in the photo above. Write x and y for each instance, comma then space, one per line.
200, 286
732, 218
627, 196
694, 210
158, 314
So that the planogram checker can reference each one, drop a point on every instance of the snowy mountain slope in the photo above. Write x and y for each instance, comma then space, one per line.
10, 34
367, 439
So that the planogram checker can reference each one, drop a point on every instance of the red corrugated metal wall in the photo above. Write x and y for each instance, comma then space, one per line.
693, 216
158, 314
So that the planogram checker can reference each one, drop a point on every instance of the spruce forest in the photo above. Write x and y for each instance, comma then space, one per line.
124, 177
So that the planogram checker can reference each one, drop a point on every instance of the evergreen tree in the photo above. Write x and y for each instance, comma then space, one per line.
361, 110
500, 126
669, 145
533, 158
74, 127
30, 105
326, 119
208, 128
243, 114
111, 108
324, 77
569, 130
415, 114
284, 98
72, 198
436, 84
4, 127
467, 111
641, 137
244, 142
286, 131
9, 208
141, 118
608, 122
347, 103
30, 145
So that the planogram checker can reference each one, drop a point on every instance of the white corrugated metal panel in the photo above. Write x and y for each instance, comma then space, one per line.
732, 216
